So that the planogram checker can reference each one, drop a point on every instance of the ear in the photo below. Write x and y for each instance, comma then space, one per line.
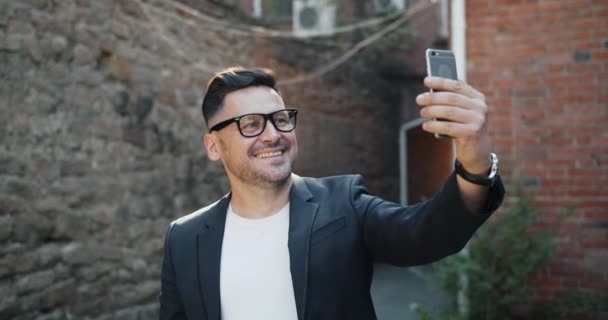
212, 146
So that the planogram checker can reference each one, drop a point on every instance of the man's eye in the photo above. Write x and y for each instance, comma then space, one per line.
281, 120
250, 124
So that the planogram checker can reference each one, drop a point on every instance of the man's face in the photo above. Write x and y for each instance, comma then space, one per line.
266, 160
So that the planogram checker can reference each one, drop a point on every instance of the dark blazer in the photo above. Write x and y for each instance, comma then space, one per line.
337, 230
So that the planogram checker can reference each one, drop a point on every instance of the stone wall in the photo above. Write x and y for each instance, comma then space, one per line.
100, 147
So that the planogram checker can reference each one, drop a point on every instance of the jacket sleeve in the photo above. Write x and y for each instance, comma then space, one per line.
171, 307
421, 233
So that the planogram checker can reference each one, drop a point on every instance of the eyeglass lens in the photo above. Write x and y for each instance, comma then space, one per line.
254, 124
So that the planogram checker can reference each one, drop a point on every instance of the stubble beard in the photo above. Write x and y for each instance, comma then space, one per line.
269, 179
273, 181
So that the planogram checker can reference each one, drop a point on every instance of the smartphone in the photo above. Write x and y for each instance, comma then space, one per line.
441, 63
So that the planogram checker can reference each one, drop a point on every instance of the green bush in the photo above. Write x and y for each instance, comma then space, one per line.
573, 305
502, 256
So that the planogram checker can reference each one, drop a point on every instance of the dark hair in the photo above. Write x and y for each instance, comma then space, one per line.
229, 80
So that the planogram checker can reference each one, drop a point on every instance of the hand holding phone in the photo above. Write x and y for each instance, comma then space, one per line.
441, 63
462, 104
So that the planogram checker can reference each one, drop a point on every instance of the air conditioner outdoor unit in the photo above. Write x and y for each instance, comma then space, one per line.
382, 6
313, 17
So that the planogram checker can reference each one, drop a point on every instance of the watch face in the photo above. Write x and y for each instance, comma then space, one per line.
494, 168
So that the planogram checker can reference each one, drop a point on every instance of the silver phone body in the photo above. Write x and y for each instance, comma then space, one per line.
441, 63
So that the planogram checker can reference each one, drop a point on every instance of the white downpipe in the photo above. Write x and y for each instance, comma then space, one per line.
257, 8
458, 42
403, 129
459, 47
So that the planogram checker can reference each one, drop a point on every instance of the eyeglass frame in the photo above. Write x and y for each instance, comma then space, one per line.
267, 117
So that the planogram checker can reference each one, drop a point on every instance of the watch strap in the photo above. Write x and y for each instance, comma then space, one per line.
479, 179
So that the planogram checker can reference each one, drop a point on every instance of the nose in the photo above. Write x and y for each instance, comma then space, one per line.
270, 133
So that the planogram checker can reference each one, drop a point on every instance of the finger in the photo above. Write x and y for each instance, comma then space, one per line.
445, 84
452, 129
450, 98
451, 113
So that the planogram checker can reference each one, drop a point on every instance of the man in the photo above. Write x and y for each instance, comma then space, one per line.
280, 246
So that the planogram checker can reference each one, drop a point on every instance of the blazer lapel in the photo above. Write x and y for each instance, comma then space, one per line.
209, 250
302, 213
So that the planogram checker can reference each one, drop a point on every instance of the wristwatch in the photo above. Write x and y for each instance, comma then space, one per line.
479, 179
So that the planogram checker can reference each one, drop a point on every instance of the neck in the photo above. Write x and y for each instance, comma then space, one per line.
256, 202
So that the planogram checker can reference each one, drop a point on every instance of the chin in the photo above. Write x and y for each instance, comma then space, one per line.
264, 176
276, 177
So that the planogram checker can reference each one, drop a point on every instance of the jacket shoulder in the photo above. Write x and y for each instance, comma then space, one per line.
196, 217
335, 186
332, 181
335, 182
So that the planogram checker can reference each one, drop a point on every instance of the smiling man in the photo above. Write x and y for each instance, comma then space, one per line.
280, 246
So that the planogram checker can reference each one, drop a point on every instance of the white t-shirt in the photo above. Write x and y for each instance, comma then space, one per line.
255, 278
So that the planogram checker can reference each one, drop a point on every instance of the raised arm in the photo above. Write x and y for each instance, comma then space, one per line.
466, 110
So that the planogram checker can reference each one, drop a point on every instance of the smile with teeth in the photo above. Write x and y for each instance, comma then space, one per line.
268, 154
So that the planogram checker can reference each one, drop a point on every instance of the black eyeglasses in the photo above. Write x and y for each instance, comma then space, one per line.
253, 124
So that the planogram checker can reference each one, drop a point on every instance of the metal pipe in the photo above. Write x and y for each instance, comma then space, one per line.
459, 47
403, 198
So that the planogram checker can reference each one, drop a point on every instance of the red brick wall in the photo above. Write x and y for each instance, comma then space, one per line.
544, 68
